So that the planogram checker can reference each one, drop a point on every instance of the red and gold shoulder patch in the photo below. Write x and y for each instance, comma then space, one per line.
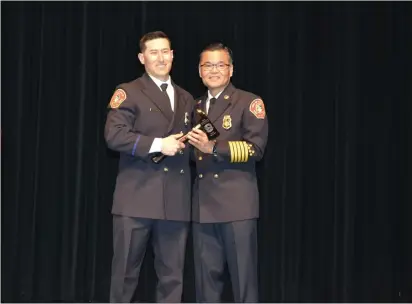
118, 97
258, 108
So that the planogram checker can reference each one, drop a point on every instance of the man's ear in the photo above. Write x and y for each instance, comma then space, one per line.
141, 58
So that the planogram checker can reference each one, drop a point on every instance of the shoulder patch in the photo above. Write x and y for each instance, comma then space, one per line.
118, 97
258, 108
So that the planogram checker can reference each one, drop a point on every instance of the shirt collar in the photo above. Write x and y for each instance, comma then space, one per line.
158, 82
209, 96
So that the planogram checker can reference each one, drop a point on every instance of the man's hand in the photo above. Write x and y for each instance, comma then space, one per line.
170, 144
199, 139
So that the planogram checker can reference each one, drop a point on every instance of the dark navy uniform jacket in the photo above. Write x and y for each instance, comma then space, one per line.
143, 188
225, 187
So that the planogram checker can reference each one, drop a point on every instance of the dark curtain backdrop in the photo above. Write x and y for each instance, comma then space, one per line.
334, 183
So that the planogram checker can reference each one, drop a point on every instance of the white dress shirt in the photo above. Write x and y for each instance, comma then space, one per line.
157, 142
170, 90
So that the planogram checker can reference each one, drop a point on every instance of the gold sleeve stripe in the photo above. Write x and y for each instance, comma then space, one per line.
236, 149
244, 151
231, 151
245, 147
234, 152
239, 151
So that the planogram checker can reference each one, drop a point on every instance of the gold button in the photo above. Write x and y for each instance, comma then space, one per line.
200, 175
216, 176
200, 158
165, 169
182, 171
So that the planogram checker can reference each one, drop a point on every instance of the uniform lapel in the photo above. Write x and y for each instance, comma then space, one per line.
179, 107
203, 103
152, 91
222, 103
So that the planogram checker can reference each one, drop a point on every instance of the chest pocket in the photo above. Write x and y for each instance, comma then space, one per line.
150, 121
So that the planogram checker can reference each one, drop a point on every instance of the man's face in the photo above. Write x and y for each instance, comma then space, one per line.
215, 69
157, 58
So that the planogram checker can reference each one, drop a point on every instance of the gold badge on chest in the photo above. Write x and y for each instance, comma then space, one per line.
227, 122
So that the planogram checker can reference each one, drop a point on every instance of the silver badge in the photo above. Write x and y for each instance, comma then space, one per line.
186, 118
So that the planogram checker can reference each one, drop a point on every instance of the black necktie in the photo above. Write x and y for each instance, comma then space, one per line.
211, 104
163, 86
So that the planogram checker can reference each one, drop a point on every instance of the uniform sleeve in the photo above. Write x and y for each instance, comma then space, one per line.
251, 146
118, 132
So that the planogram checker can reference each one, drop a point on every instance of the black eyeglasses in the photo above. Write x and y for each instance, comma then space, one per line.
219, 66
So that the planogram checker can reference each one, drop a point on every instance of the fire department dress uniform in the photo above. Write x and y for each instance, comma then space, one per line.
148, 197
225, 204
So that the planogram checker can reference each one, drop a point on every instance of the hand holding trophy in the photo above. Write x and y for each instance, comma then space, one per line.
203, 124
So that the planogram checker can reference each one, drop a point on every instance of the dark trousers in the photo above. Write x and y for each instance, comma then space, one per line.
130, 239
234, 243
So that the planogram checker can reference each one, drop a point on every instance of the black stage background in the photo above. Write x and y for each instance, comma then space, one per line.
335, 203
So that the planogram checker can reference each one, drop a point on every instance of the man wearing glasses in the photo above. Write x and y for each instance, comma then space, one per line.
225, 203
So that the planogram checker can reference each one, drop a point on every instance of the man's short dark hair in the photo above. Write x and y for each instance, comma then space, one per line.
152, 36
218, 46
